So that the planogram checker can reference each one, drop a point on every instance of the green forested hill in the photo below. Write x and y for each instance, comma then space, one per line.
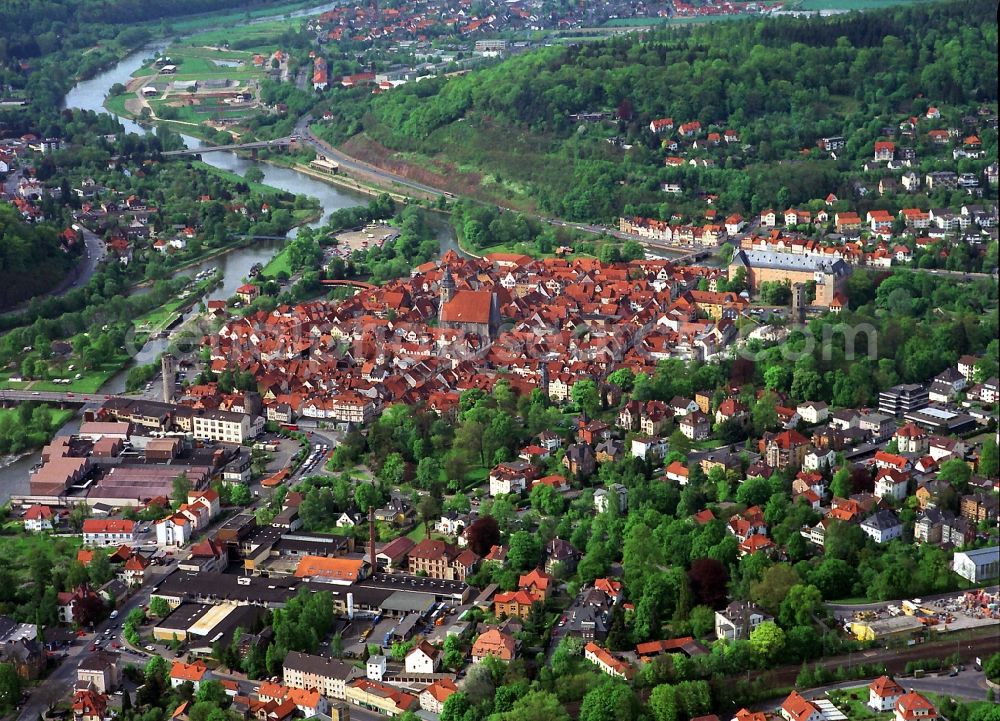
781, 83
31, 259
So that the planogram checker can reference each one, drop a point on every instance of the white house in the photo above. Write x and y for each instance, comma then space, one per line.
108, 532
798, 708
187, 672
890, 483
738, 619
173, 531
423, 658
433, 697
375, 668
818, 459
883, 693
813, 412
644, 446
38, 518
603, 495
882, 526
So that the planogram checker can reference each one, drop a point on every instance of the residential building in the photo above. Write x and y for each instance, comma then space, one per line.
882, 526
422, 658
603, 497
328, 676
798, 708
496, 643
100, 671
433, 697
38, 518
108, 532
379, 697
606, 662
438, 559
883, 693
512, 603
912, 706
738, 619
182, 672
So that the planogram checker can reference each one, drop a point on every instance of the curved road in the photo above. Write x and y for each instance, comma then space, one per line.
93, 253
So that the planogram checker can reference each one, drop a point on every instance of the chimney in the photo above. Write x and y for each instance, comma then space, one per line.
371, 536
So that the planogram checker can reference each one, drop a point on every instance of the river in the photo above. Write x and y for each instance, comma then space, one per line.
235, 264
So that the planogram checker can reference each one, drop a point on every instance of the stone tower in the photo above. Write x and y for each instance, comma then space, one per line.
168, 367
446, 289
799, 303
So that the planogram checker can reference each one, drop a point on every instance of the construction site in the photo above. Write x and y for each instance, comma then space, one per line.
915, 619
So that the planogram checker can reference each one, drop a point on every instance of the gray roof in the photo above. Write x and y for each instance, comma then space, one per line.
319, 665
882, 520
790, 261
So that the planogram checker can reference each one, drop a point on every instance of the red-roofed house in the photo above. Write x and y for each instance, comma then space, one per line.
108, 532
513, 603
38, 518
883, 693
496, 643
538, 584
914, 707
182, 672
433, 697
798, 708
610, 588
607, 663
89, 705
884, 150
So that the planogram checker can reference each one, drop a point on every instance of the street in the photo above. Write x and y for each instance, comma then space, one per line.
61, 681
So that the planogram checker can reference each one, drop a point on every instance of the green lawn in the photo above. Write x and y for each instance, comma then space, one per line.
59, 415
278, 264
91, 380
259, 37
21, 550
235, 19
854, 703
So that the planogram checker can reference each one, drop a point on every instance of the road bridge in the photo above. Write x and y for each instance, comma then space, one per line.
277, 143
63, 397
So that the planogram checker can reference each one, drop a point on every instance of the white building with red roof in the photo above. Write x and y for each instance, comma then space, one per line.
798, 708
883, 693
108, 532
914, 707
39, 518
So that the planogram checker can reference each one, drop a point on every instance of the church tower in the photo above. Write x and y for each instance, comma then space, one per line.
446, 289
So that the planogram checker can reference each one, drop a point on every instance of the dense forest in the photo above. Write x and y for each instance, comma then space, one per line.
31, 257
781, 83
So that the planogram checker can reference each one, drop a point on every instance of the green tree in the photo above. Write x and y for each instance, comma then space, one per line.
537, 706
768, 641
774, 586
801, 604
239, 495
611, 700
989, 459
10, 687
180, 489
841, 486
586, 397
159, 607
524, 551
